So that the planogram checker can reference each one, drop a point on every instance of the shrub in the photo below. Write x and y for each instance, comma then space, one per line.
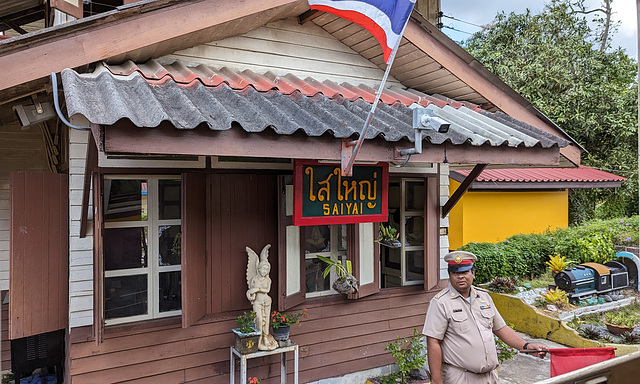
525, 255
409, 353
503, 285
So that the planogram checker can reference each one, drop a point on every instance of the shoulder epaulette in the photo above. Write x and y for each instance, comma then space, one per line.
480, 289
441, 293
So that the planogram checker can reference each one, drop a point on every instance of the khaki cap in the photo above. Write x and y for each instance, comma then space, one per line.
460, 261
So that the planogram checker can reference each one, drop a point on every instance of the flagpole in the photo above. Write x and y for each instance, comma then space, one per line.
348, 167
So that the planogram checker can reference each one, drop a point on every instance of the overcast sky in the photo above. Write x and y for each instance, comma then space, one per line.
482, 13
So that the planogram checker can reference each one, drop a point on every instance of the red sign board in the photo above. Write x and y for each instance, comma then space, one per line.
323, 196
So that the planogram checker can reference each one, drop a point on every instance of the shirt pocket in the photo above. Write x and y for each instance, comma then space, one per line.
486, 318
486, 324
460, 321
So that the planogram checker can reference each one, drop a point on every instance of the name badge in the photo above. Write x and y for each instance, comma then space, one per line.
457, 310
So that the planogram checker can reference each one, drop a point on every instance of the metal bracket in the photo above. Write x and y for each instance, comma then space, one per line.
348, 147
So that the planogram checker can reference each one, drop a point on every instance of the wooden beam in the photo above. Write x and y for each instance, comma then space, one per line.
82, 44
125, 138
308, 16
470, 73
91, 163
462, 189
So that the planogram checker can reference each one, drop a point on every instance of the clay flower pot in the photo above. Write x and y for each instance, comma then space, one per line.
618, 329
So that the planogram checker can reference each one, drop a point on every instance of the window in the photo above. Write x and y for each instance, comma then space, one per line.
142, 248
324, 240
405, 265
301, 272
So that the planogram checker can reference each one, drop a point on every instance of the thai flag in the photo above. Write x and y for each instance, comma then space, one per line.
384, 19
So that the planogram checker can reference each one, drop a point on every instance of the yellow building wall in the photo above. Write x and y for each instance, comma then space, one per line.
492, 216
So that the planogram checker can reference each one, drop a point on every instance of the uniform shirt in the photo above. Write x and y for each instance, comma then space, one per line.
465, 328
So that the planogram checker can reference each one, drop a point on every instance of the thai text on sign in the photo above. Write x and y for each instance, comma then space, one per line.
323, 196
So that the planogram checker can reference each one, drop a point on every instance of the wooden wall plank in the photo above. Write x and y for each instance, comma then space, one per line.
200, 353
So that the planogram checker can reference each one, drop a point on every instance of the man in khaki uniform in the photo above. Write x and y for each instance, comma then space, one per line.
460, 325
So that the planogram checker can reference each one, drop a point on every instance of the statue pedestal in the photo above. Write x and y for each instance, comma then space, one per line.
283, 363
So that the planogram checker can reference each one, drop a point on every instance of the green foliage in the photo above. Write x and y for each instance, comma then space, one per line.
246, 322
341, 269
557, 297
553, 59
558, 264
525, 256
409, 352
503, 285
388, 233
592, 247
622, 318
504, 351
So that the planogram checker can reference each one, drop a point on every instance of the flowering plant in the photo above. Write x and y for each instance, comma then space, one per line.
504, 351
246, 322
278, 319
253, 380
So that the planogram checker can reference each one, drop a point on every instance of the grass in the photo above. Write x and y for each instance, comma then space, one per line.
542, 281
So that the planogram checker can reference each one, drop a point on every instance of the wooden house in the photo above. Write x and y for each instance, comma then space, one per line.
189, 121
504, 202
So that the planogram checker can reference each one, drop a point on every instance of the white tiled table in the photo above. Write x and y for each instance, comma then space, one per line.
283, 363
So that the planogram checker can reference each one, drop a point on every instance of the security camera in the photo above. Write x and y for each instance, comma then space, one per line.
424, 118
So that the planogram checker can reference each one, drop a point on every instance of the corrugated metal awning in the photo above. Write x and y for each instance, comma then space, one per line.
541, 178
148, 94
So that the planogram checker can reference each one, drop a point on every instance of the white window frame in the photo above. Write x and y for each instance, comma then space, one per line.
153, 268
334, 235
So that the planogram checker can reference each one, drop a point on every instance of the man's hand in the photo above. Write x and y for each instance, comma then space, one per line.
538, 350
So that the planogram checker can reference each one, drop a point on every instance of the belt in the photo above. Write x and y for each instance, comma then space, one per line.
467, 370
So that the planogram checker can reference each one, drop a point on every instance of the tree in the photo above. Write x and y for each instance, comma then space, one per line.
554, 60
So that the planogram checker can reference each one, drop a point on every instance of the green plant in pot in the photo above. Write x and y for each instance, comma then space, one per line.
345, 283
389, 236
619, 322
246, 335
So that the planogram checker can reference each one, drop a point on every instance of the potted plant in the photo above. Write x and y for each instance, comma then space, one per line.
345, 283
389, 237
281, 323
246, 335
619, 323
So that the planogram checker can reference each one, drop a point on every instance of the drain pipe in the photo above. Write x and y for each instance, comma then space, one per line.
56, 104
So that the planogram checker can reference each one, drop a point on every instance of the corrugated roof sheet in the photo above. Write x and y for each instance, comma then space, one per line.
544, 175
147, 94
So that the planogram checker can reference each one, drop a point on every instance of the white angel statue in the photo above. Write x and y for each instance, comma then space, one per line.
258, 294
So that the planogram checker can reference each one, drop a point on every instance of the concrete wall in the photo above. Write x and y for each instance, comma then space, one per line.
492, 216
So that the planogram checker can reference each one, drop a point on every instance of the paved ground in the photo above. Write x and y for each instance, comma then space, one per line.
525, 369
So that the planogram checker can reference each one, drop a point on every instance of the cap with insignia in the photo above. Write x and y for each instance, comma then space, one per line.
459, 261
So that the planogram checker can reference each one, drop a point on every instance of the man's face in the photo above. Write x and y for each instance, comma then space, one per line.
462, 281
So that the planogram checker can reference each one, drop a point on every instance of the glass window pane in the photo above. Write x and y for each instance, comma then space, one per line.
415, 265
170, 291
391, 258
125, 200
125, 296
314, 269
342, 237
414, 230
170, 245
169, 199
317, 238
125, 248
415, 196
